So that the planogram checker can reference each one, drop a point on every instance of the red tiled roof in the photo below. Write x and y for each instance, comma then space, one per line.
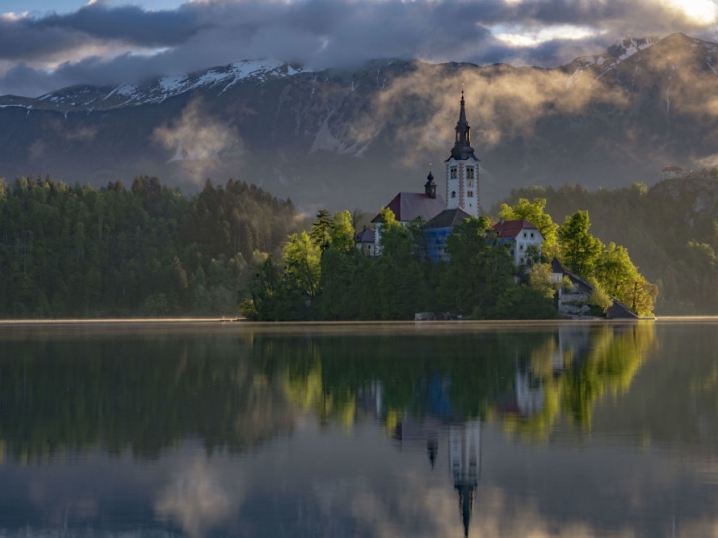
509, 229
406, 206
673, 169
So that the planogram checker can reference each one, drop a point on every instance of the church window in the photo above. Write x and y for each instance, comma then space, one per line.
470, 172
453, 194
452, 172
470, 183
470, 194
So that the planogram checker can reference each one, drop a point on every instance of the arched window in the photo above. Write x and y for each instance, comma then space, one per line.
453, 194
452, 173
470, 194
470, 172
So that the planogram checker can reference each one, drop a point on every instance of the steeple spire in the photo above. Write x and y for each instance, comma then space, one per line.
462, 113
462, 149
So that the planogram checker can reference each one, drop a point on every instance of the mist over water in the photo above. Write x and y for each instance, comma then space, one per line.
504, 429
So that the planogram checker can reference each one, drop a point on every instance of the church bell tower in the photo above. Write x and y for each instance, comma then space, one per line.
462, 169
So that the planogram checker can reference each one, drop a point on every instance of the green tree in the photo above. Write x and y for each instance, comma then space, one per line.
301, 258
579, 251
341, 232
535, 214
477, 272
321, 230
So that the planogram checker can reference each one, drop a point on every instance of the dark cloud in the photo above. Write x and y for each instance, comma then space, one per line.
317, 33
129, 24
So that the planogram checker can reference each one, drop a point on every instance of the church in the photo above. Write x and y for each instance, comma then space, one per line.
441, 216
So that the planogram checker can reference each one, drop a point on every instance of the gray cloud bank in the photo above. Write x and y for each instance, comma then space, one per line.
105, 44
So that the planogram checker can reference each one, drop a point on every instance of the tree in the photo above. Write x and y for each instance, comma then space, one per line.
396, 281
579, 251
341, 232
534, 213
540, 278
321, 230
477, 271
301, 258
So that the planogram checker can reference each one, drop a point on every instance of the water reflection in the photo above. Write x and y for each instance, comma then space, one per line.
251, 399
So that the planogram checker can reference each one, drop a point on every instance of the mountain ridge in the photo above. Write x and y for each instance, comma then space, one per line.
339, 137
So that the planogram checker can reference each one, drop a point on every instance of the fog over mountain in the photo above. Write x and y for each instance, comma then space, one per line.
352, 137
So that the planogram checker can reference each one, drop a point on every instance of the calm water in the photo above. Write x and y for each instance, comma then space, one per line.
399, 430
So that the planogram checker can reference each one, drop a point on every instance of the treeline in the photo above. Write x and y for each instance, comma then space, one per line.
670, 229
322, 276
149, 250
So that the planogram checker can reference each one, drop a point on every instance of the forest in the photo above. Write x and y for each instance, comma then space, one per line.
86, 252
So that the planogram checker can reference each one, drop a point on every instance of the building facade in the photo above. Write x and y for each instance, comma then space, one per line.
522, 237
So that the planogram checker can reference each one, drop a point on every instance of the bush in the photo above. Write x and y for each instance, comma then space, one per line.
247, 309
600, 299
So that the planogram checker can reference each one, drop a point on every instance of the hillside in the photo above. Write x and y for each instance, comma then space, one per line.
337, 138
670, 230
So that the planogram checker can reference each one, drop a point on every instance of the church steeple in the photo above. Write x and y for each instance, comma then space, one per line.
462, 149
462, 169
430, 186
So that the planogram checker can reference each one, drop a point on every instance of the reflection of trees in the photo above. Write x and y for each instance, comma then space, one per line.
147, 393
143, 394
573, 380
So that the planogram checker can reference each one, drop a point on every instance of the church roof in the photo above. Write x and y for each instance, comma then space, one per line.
509, 229
365, 236
407, 206
448, 218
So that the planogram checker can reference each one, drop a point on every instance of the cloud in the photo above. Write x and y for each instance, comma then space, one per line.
502, 103
197, 139
100, 43
196, 500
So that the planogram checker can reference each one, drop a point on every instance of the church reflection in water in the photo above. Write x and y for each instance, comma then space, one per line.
545, 374
440, 425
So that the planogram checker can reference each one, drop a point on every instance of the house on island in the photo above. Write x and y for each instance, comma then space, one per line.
521, 237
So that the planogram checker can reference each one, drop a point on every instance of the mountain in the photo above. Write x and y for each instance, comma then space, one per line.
353, 138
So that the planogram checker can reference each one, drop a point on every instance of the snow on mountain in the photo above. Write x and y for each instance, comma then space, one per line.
218, 79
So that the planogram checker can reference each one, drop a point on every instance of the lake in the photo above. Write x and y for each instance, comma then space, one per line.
359, 430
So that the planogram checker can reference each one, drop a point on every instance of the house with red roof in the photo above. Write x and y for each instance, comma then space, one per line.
522, 237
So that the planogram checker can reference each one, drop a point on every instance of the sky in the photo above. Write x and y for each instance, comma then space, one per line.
49, 44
